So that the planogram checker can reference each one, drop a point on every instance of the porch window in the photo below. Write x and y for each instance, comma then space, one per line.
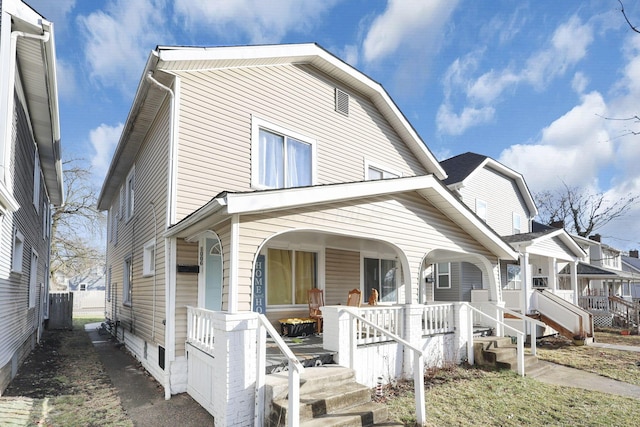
283, 158
443, 275
514, 277
380, 274
540, 282
290, 275
127, 282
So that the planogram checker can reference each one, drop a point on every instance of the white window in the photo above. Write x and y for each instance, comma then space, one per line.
109, 284
514, 277
375, 171
127, 282
481, 209
18, 250
443, 275
281, 158
149, 259
290, 275
33, 279
113, 235
380, 274
517, 224
36, 182
129, 194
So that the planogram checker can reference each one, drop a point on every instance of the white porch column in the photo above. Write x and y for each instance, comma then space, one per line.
573, 268
234, 372
525, 270
552, 267
412, 333
336, 334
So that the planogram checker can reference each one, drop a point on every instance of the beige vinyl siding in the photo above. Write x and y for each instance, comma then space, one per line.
552, 248
342, 273
19, 322
408, 221
186, 291
502, 196
215, 129
147, 224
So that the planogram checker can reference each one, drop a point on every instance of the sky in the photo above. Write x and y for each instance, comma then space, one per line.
542, 86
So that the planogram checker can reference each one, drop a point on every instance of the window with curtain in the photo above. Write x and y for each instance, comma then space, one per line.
290, 275
283, 161
514, 277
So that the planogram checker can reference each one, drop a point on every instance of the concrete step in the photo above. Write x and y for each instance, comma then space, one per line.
530, 362
329, 396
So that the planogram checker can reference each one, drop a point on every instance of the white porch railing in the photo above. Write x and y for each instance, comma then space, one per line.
532, 322
438, 319
418, 359
383, 318
295, 369
594, 303
200, 329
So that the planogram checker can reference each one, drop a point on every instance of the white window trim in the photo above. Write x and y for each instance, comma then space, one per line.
129, 194
33, 278
388, 256
17, 252
480, 202
36, 181
109, 284
516, 218
379, 166
149, 258
438, 276
257, 124
126, 280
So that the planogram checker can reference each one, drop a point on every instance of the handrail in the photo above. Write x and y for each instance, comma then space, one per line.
418, 361
520, 337
576, 310
295, 369
526, 319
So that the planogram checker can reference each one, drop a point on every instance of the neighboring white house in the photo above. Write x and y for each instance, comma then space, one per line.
30, 178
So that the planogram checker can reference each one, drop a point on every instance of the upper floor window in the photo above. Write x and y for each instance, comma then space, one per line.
517, 224
127, 282
375, 171
149, 258
33, 279
18, 250
443, 275
129, 194
281, 158
481, 209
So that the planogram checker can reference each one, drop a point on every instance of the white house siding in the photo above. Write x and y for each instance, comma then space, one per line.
342, 274
215, 128
19, 322
148, 223
406, 220
186, 291
552, 248
502, 196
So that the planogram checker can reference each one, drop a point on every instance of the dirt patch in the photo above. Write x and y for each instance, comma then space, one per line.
65, 376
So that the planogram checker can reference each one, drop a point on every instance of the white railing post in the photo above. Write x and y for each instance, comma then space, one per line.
418, 379
261, 367
534, 337
470, 354
521, 355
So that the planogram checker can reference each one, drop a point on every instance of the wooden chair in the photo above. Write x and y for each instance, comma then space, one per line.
316, 300
354, 298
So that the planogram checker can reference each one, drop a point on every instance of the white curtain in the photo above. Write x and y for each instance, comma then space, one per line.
271, 163
298, 163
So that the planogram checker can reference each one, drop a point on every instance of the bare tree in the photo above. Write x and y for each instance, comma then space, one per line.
582, 212
76, 227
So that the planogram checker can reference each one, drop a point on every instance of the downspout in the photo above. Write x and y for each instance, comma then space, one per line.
169, 280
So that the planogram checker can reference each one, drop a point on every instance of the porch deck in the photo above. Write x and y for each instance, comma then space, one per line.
308, 350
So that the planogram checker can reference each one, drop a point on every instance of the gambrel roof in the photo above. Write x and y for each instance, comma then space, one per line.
461, 168
172, 59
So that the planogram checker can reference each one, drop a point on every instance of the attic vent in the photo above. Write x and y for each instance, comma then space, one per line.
342, 102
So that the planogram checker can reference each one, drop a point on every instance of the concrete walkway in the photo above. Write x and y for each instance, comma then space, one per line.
142, 397
552, 373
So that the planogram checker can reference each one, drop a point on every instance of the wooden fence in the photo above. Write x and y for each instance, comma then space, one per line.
60, 311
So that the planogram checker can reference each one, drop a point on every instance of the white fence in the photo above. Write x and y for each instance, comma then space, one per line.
200, 328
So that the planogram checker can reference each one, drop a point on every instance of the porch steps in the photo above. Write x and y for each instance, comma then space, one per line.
329, 396
501, 353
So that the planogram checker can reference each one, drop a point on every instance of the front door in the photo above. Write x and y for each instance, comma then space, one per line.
212, 274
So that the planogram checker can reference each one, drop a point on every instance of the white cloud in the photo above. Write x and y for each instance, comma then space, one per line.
66, 76
579, 82
260, 21
404, 24
573, 149
104, 140
117, 40
456, 124
565, 48
55, 12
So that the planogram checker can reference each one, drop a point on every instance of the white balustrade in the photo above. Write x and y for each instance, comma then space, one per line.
200, 328
388, 318
437, 319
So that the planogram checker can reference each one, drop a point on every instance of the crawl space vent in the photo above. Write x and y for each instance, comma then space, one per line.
342, 102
